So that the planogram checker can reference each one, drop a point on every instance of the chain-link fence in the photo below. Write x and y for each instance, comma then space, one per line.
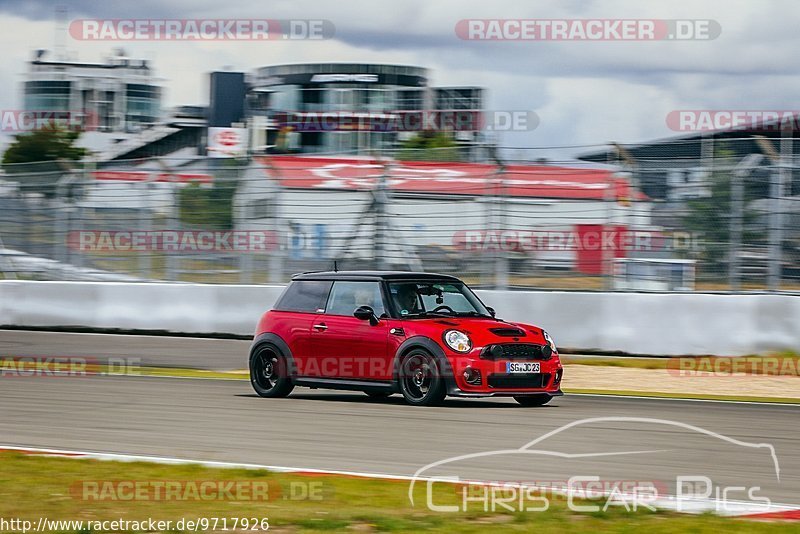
725, 220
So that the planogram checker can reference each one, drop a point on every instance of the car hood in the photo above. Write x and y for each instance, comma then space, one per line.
482, 331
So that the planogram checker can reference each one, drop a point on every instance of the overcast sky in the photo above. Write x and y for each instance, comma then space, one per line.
583, 92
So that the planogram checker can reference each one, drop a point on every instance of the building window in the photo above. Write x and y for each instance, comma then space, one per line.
49, 95
410, 100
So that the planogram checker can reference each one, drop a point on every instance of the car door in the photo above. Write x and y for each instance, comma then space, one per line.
349, 348
298, 308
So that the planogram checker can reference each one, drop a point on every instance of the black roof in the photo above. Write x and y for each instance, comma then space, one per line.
373, 275
127, 64
688, 147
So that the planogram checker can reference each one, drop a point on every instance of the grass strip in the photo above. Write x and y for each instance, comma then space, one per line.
91, 490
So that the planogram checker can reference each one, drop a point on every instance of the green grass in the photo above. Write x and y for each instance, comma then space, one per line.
31, 487
190, 373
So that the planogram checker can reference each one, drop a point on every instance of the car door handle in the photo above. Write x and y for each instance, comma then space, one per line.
321, 327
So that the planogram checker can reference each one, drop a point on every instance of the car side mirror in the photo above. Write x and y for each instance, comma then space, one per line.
491, 311
365, 313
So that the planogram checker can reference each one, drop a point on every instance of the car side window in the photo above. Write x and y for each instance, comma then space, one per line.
347, 296
305, 296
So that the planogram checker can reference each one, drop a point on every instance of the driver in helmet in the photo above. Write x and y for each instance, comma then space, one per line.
407, 299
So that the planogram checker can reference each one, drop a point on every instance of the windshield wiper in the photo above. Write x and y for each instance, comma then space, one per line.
429, 314
473, 314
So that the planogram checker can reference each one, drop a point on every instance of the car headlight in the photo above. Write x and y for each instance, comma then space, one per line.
549, 341
458, 341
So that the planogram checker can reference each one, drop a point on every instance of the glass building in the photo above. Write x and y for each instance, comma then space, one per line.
120, 95
346, 107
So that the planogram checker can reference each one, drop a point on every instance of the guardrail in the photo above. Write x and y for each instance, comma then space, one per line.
635, 323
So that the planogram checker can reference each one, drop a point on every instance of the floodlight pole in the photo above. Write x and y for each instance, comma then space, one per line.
780, 166
501, 276
740, 172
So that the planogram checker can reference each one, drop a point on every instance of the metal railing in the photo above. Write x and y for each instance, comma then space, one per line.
728, 222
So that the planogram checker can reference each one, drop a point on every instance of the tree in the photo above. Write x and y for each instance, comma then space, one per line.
211, 207
48, 144
207, 207
429, 145
37, 158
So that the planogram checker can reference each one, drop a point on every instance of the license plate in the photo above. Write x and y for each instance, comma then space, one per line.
522, 367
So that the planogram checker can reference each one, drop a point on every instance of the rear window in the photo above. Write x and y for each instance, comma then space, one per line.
305, 296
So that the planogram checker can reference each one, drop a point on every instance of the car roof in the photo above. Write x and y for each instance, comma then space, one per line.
373, 276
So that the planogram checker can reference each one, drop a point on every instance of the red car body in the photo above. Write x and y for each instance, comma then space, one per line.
326, 346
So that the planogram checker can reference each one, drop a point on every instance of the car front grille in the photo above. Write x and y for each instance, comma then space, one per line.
513, 351
527, 380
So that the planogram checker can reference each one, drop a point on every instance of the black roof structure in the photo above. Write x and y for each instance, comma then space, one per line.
740, 141
373, 275
654, 160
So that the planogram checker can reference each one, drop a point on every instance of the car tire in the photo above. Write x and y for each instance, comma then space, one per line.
533, 400
421, 382
269, 374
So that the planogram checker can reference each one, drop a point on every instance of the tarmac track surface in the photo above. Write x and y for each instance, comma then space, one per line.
316, 429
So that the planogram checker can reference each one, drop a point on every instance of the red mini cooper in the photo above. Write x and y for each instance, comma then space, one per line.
420, 334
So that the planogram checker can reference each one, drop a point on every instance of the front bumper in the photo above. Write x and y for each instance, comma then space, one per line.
496, 382
455, 392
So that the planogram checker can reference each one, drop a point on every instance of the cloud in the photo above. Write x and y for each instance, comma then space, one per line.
584, 92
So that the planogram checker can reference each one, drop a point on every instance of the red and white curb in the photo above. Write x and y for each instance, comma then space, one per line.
740, 509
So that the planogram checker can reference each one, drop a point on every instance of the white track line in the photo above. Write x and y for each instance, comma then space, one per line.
122, 457
668, 502
682, 399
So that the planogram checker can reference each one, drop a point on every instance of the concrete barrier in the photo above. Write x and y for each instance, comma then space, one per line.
638, 323
191, 308
658, 323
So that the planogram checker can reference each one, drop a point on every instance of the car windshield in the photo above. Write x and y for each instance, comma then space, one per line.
445, 298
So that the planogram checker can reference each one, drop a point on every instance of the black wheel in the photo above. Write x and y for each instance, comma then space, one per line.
533, 400
421, 383
378, 394
269, 374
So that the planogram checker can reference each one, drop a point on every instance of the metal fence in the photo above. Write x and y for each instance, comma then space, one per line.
728, 220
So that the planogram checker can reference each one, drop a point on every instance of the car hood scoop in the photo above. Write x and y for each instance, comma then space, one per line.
508, 331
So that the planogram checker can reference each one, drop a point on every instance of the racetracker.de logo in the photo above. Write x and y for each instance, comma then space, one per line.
732, 366
175, 490
587, 30
707, 120
65, 366
16, 120
200, 29
410, 121
172, 241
